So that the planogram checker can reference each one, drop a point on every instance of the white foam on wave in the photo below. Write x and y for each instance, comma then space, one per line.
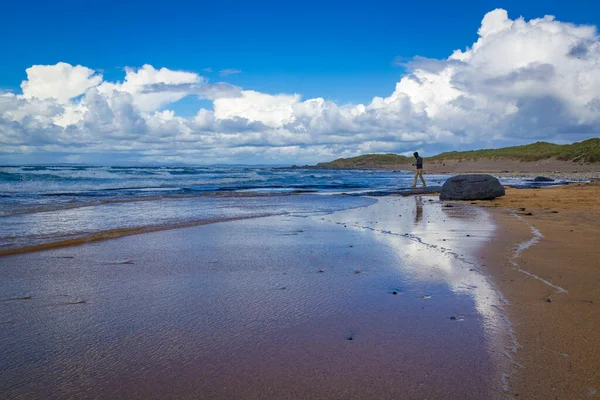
122, 182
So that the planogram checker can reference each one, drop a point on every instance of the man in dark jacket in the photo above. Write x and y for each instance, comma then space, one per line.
419, 173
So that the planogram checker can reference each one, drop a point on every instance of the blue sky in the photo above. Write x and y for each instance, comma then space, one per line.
342, 52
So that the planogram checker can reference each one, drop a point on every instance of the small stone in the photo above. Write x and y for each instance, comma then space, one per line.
448, 205
468, 235
554, 212
394, 292
548, 300
453, 318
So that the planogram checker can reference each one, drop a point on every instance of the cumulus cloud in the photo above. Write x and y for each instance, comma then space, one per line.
60, 82
520, 81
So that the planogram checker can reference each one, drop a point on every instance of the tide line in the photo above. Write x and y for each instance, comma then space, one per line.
537, 235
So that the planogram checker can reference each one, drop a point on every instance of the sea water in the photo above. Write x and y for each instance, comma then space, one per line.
45, 204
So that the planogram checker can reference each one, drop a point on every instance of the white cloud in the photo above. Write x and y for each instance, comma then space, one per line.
153, 88
272, 110
60, 82
520, 81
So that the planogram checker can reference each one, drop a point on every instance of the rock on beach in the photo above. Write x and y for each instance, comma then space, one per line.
472, 187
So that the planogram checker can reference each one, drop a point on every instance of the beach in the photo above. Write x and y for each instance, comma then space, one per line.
304, 296
266, 200
551, 285
505, 168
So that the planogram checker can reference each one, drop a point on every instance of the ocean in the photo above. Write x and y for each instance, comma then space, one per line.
47, 205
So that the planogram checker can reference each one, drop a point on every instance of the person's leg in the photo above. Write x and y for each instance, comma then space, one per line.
422, 179
416, 176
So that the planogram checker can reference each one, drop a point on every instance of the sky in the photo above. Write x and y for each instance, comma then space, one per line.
291, 83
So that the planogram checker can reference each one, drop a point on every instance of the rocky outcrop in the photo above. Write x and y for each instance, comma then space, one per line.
471, 187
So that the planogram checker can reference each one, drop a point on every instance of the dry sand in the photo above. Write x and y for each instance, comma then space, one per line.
514, 167
558, 331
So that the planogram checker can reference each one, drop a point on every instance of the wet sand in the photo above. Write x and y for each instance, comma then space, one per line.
384, 301
552, 287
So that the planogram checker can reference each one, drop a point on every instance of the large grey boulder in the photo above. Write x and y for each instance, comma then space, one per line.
471, 187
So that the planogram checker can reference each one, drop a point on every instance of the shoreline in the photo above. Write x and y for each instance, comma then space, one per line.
116, 234
544, 260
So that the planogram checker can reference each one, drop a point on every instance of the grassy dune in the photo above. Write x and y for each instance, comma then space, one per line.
587, 152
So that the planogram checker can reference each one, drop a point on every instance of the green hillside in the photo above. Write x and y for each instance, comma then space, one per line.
587, 152
368, 160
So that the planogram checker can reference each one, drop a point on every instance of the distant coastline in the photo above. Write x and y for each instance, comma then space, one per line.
580, 160
582, 156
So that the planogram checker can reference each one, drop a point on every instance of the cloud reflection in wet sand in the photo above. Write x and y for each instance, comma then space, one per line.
437, 242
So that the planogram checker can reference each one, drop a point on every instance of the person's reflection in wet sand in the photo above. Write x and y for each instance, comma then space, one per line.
419, 212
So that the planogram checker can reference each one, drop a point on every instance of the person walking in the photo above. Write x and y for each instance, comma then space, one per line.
419, 173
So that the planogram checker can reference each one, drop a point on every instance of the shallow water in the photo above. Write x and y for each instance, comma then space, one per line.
28, 230
43, 206
382, 301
